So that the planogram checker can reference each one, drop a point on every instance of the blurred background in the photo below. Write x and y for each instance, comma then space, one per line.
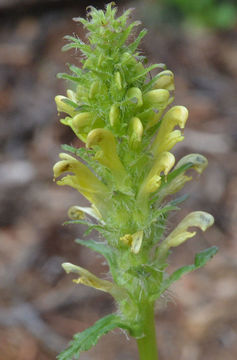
40, 308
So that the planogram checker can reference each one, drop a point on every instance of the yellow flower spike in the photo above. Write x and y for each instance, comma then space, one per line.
94, 89
118, 80
108, 156
157, 98
83, 179
177, 115
114, 115
135, 132
62, 106
163, 163
136, 94
180, 234
165, 80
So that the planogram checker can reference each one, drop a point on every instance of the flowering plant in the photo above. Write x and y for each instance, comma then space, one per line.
127, 173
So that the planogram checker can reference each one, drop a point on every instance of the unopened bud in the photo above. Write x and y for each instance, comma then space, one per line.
135, 95
165, 80
135, 132
114, 115
63, 105
157, 98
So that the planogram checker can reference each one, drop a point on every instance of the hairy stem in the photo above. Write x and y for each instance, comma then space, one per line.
147, 346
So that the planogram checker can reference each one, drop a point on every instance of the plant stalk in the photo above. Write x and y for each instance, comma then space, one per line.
147, 345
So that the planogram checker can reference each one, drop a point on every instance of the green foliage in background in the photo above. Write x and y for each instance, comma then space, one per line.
220, 14
127, 173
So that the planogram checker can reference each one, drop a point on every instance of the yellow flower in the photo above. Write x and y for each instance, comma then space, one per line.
82, 179
79, 212
133, 240
89, 279
108, 156
163, 163
166, 137
197, 162
180, 234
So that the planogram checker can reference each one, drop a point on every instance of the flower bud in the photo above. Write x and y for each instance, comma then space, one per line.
114, 115
81, 92
157, 98
165, 80
94, 89
128, 59
82, 121
118, 80
135, 132
135, 95
71, 95
63, 106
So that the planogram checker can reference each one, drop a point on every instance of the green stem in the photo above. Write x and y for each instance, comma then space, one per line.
147, 346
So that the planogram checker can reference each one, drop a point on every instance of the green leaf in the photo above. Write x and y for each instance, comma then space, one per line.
133, 46
178, 200
127, 32
171, 176
69, 148
204, 256
145, 72
200, 260
163, 211
70, 102
101, 248
83, 341
69, 77
76, 43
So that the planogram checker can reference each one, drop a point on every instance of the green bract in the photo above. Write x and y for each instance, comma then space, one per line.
126, 170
